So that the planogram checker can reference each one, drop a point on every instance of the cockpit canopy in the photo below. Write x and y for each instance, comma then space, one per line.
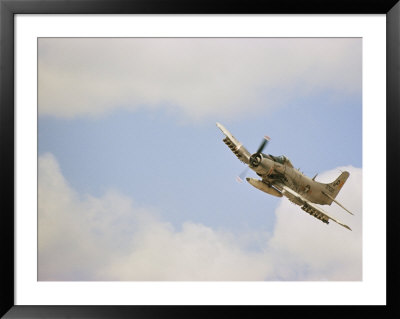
280, 159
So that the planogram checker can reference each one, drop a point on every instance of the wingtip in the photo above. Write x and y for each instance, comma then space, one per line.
345, 226
220, 126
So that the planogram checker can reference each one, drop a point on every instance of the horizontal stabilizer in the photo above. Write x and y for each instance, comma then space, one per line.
330, 197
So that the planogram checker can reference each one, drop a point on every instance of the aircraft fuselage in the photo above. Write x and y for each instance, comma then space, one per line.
273, 171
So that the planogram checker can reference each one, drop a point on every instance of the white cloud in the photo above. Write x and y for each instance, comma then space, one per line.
198, 77
111, 238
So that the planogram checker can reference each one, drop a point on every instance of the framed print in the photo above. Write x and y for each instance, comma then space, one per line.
119, 200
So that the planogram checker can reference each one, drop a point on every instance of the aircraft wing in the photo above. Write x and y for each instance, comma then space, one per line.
236, 147
309, 207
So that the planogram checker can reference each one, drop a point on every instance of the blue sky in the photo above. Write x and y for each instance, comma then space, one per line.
158, 161
146, 133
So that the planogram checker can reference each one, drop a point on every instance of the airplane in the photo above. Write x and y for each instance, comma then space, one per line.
279, 178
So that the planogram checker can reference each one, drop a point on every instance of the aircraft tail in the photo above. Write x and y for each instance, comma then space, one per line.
332, 189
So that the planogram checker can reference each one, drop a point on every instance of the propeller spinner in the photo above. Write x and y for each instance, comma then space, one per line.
255, 159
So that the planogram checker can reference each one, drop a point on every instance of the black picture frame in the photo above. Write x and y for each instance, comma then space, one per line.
8, 8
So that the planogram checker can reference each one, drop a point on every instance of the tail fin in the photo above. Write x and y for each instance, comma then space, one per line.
333, 188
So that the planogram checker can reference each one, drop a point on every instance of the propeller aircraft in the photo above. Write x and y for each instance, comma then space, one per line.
279, 178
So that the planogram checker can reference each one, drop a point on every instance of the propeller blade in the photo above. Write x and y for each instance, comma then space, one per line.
242, 175
263, 144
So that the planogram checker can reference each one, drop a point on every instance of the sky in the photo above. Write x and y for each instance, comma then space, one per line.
135, 183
